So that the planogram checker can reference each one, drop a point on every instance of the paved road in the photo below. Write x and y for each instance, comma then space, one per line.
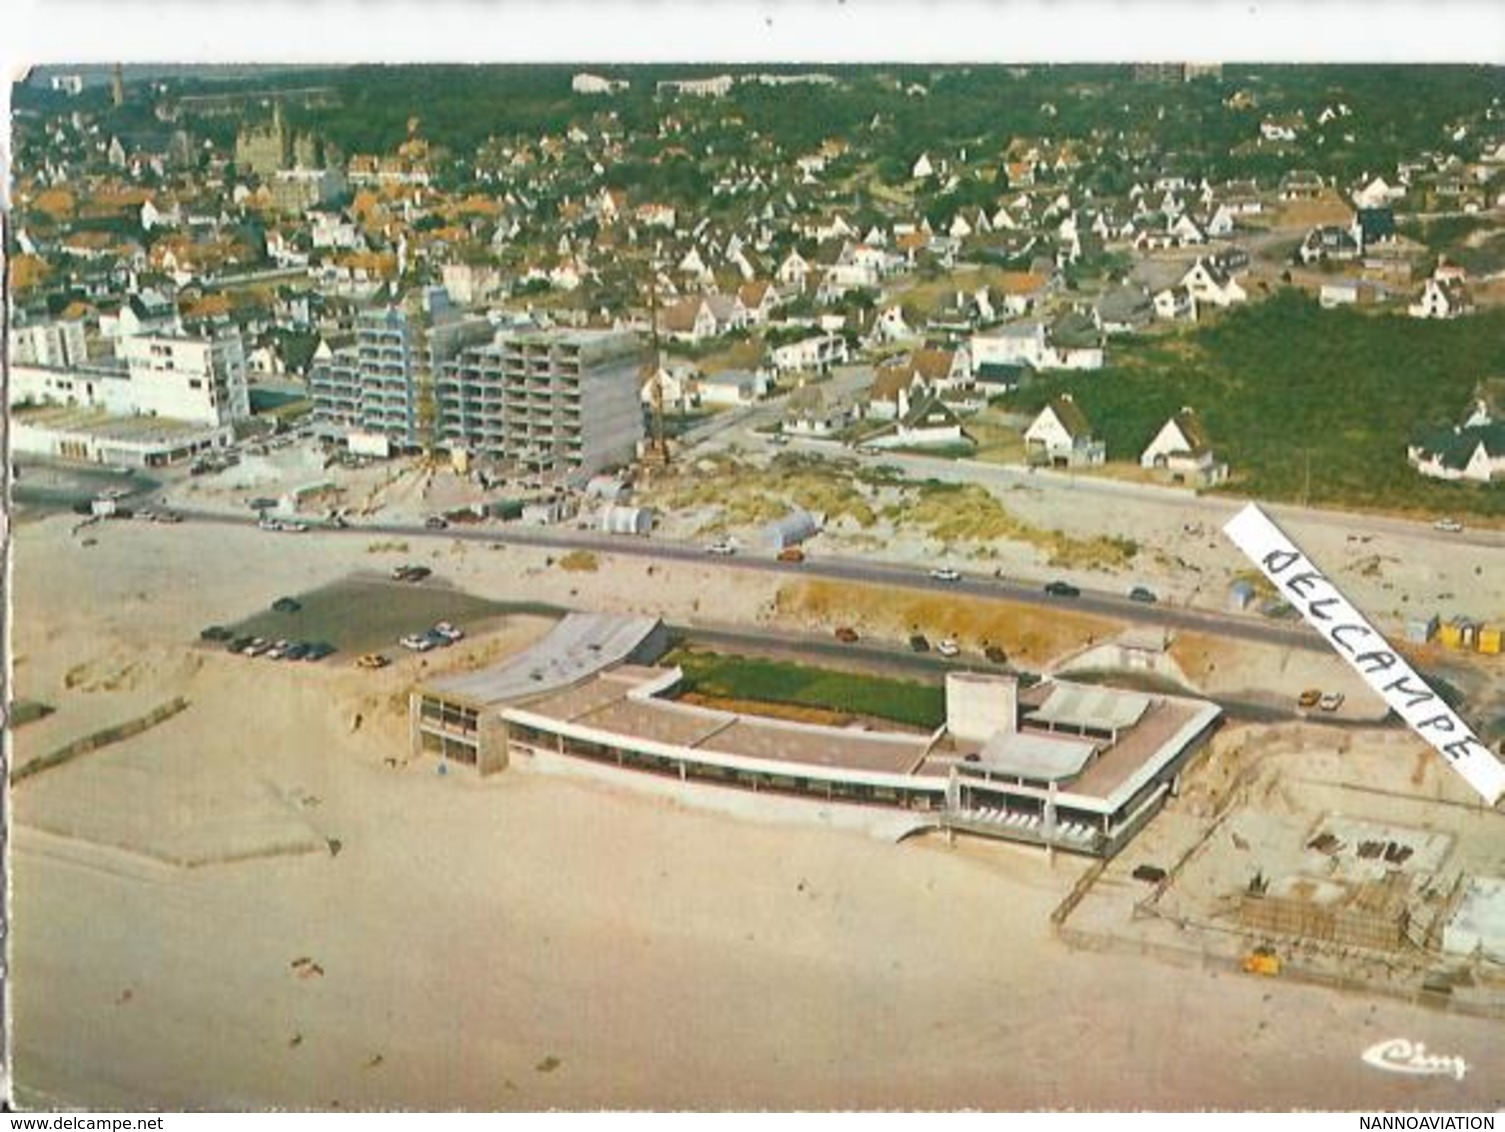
891, 657
1243, 627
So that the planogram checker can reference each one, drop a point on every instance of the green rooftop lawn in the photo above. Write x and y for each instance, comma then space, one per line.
782, 682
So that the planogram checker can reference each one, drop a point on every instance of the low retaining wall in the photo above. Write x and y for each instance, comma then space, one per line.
103, 738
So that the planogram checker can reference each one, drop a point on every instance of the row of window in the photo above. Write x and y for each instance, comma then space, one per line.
452, 750
448, 714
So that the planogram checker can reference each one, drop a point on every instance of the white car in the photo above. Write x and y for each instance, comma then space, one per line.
723, 549
1332, 701
948, 647
449, 632
945, 574
1451, 526
418, 642
292, 528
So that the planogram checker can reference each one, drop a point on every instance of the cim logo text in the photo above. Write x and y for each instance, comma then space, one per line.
1399, 1055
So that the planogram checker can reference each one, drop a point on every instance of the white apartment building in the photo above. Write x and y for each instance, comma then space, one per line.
197, 378
57, 345
819, 352
587, 83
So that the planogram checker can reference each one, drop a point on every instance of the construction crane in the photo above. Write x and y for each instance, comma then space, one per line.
658, 451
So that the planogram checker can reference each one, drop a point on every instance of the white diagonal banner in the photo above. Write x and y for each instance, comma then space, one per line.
1353, 638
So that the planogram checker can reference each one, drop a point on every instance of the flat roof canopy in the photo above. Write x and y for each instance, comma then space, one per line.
1101, 709
1024, 754
579, 646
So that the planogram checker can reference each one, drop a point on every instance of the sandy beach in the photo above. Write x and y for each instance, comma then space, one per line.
262, 903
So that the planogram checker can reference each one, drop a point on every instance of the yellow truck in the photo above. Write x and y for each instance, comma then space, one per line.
1262, 961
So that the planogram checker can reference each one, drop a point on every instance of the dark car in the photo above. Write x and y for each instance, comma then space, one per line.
1062, 589
436, 522
286, 605
296, 651
318, 650
1140, 593
918, 643
410, 573
215, 633
238, 644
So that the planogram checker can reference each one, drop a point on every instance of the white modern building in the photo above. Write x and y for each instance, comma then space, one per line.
58, 344
190, 379
819, 352
1071, 766
587, 83
200, 378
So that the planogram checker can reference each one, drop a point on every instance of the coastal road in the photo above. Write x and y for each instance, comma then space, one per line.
1215, 623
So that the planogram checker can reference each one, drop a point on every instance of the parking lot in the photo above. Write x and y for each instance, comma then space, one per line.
367, 614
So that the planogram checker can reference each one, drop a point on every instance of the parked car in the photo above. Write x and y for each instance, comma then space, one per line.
1309, 698
410, 573
286, 605
257, 646
1332, 701
918, 643
948, 647
846, 634
371, 660
722, 549
1451, 526
215, 633
449, 632
791, 554
420, 642
945, 574
318, 650
1062, 589
1141, 593
435, 523
267, 523
278, 650
292, 528
167, 516
296, 651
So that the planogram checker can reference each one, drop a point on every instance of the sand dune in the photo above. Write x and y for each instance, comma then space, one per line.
529, 942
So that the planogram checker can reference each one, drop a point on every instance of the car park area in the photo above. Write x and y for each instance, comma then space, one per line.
354, 617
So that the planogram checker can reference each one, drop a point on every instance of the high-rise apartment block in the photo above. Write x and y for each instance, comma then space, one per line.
427, 376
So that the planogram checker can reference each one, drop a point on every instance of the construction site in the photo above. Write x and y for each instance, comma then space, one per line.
1353, 859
